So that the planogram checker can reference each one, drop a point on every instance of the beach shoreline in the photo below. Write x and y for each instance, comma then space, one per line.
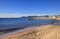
35, 31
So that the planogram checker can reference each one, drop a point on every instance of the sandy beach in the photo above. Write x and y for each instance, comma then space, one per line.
44, 32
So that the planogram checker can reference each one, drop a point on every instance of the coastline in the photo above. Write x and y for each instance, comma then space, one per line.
35, 31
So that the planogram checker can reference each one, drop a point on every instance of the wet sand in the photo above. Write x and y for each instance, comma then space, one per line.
39, 32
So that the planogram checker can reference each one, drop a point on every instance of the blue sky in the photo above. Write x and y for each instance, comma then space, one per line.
29, 7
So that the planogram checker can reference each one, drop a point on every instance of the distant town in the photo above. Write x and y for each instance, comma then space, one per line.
49, 17
54, 17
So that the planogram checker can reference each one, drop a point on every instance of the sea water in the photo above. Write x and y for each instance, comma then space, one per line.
9, 23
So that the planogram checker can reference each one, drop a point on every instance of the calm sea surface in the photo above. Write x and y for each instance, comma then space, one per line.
8, 23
